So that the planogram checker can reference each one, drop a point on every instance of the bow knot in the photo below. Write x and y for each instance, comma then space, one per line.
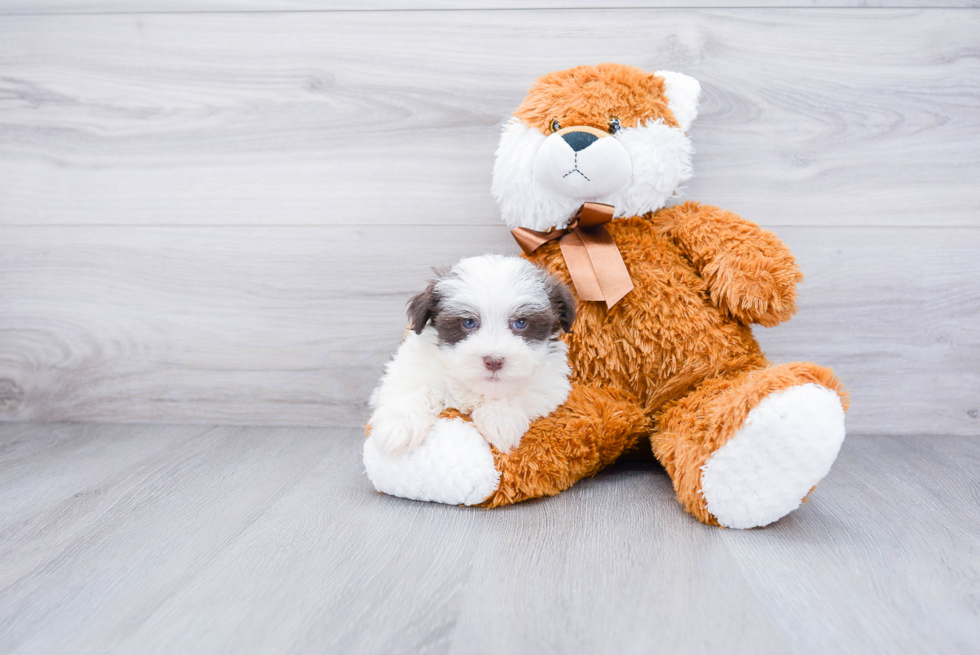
593, 258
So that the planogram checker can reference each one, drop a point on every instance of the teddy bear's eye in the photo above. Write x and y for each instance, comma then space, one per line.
555, 125
614, 125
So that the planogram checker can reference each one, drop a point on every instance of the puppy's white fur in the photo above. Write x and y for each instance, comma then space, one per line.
429, 374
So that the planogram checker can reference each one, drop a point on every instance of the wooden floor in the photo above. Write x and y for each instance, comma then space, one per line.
186, 539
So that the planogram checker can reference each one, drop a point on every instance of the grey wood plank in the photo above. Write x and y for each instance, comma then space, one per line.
579, 573
611, 566
822, 117
897, 318
882, 559
226, 325
344, 570
896, 525
65, 486
189, 502
291, 326
69, 452
272, 540
190, 6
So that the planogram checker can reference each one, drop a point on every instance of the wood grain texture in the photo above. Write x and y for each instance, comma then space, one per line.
228, 325
291, 326
809, 117
248, 540
198, 6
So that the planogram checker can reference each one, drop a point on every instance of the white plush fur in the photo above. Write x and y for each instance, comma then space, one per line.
683, 95
530, 169
786, 446
453, 465
427, 375
602, 170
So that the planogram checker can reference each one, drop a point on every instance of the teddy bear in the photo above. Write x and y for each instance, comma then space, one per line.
662, 353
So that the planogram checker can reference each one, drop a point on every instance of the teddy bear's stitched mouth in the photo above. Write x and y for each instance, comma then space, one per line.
576, 170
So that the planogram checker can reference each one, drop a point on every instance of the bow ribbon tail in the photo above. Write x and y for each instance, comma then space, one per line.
580, 268
596, 266
531, 240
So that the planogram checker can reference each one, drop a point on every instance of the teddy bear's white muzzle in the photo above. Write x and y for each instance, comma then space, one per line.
579, 165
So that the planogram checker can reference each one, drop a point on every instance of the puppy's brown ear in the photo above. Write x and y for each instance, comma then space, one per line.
422, 308
562, 301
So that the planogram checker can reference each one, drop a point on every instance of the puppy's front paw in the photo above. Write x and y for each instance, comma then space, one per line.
396, 434
501, 426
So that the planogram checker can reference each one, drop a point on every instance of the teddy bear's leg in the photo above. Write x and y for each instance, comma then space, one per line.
745, 449
454, 465
587, 433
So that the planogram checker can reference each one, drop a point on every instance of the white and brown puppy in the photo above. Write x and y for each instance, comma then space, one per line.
484, 341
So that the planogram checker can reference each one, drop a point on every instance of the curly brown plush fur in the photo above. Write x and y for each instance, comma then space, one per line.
579, 439
674, 360
676, 356
590, 95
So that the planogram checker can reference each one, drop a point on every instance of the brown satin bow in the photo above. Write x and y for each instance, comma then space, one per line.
593, 258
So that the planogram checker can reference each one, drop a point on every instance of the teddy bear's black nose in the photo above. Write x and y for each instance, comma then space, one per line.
579, 140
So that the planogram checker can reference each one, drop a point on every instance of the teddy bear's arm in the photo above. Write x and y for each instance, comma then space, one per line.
580, 438
751, 273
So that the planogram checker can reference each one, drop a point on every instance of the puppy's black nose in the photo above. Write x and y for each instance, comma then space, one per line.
579, 140
493, 363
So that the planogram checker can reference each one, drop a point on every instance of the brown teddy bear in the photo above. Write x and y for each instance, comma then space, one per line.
661, 351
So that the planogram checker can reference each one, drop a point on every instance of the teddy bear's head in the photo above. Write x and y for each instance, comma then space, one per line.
609, 133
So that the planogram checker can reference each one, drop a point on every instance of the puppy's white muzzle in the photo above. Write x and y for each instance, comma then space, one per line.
577, 164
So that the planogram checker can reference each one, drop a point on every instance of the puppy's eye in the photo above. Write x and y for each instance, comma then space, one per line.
471, 323
519, 324
555, 125
614, 125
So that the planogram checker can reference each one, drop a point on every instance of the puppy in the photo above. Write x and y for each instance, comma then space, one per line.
483, 340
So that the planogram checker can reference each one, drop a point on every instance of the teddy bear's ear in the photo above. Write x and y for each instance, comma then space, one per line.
683, 93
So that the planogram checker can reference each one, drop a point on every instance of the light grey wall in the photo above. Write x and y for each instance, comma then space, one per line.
217, 217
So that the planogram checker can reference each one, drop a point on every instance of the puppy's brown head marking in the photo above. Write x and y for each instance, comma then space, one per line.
533, 323
539, 324
562, 301
454, 327
422, 308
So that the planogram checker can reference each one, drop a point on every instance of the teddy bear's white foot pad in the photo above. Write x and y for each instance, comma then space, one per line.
786, 446
453, 465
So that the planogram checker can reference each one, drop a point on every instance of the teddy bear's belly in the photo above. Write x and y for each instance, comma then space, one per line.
665, 336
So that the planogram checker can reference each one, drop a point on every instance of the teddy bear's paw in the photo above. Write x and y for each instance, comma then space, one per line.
453, 465
786, 445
